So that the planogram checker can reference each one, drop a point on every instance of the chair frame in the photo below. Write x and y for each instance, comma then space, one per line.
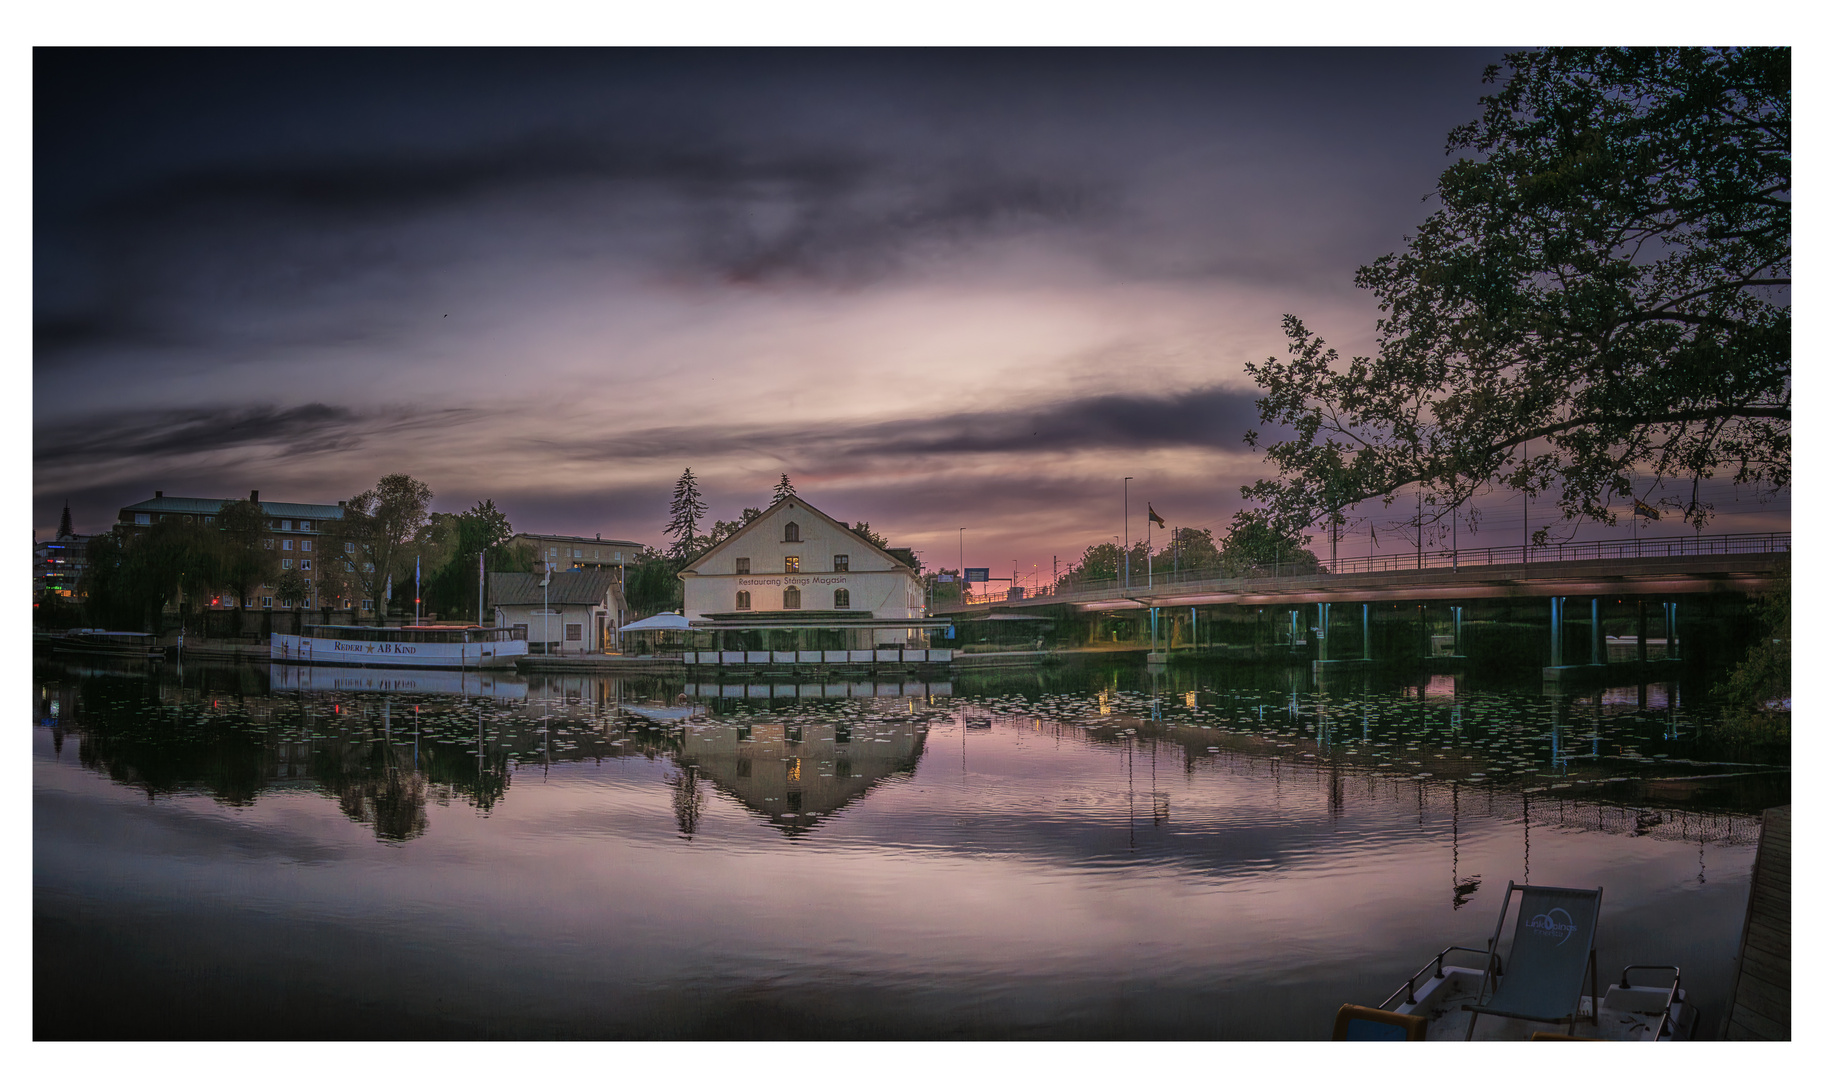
1485, 990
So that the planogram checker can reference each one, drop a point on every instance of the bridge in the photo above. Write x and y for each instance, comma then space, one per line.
1444, 581
1741, 562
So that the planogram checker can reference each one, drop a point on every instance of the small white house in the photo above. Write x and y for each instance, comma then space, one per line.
794, 570
577, 614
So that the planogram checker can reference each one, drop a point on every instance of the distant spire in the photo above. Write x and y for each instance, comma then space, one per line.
64, 528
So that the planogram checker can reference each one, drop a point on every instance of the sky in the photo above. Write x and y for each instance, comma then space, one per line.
940, 289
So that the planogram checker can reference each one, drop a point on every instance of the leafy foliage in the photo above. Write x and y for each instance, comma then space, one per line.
132, 575
1606, 283
653, 585
722, 530
383, 523
453, 550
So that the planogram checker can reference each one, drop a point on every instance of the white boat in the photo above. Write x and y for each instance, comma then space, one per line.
441, 646
474, 682
1648, 1005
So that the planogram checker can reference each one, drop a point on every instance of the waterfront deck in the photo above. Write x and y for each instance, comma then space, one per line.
1761, 1004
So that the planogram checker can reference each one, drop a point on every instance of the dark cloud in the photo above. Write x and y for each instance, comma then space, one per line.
165, 434
1210, 418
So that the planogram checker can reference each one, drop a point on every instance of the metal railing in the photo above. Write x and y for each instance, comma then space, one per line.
1435, 559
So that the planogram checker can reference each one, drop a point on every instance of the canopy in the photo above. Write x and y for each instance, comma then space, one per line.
665, 620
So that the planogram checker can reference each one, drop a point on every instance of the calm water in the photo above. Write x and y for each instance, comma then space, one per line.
254, 852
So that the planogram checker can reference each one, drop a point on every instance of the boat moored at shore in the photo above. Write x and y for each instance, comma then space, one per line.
441, 646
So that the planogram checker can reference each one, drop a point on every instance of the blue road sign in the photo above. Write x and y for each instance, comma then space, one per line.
975, 573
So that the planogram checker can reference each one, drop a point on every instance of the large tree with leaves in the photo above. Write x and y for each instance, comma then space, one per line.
377, 532
1601, 297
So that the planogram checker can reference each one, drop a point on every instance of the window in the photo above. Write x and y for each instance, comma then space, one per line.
367, 605
791, 532
142, 519
304, 545
576, 553
285, 544
210, 520
743, 601
285, 526
305, 526
285, 564
792, 564
551, 553
348, 567
285, 603
842, 563
266, 601
367, 567
304, 564
741, 566
573, 631
842, 598
792, 595
348, 547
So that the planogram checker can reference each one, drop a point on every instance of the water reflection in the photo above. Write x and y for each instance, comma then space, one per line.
1088, 853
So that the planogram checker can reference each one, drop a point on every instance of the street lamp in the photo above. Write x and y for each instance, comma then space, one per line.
1127, 578
960, 529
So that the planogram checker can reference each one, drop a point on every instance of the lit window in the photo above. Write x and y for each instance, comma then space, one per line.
791, 532
304, 564
741, 566
285, 564
743, 601
842, 598
842, 562
285, 544
792, 564
305, 545
792, 595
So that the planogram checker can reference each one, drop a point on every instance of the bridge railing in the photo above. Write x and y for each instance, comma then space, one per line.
1435, 559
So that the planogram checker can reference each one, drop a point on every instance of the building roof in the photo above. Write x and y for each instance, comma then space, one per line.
172, 504
774, 509
576, 539
567, 587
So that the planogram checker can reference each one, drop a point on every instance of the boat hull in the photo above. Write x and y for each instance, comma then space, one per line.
1625, 1015
301, 649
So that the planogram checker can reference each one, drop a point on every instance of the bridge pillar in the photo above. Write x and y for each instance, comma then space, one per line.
1598, 651
1556, 656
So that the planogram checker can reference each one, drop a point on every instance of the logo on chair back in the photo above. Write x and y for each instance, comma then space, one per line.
1555, 925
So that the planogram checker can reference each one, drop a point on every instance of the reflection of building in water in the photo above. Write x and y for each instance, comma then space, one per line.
796, 773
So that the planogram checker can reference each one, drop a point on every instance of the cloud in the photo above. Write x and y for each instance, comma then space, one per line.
174, 433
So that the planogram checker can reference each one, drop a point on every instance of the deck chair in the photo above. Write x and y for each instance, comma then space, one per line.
1554, 947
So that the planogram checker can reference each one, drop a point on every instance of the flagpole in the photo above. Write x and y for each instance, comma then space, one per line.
417, 603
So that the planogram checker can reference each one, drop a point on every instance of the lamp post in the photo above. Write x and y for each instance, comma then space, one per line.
1127, 578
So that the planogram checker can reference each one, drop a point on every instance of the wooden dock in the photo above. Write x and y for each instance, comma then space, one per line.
1761, 998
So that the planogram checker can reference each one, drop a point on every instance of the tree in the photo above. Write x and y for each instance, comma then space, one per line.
943, 592
862, 530
652, 584
687, 511
382, 524
133, 576
784, 488
1602, 293
247, 556
293, 589
722, 530
1256, 544
456, 545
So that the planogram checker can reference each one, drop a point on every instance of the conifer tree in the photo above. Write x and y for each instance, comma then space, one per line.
687, 510
784, 488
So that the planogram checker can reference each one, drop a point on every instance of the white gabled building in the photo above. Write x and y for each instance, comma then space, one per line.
803, 580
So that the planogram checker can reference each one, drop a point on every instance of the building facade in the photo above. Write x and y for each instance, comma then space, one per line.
560, 552
294, 533
795, 569
579, 612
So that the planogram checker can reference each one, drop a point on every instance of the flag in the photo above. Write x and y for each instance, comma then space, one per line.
1154, 518
1644, 510
547, 574
1372, 541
